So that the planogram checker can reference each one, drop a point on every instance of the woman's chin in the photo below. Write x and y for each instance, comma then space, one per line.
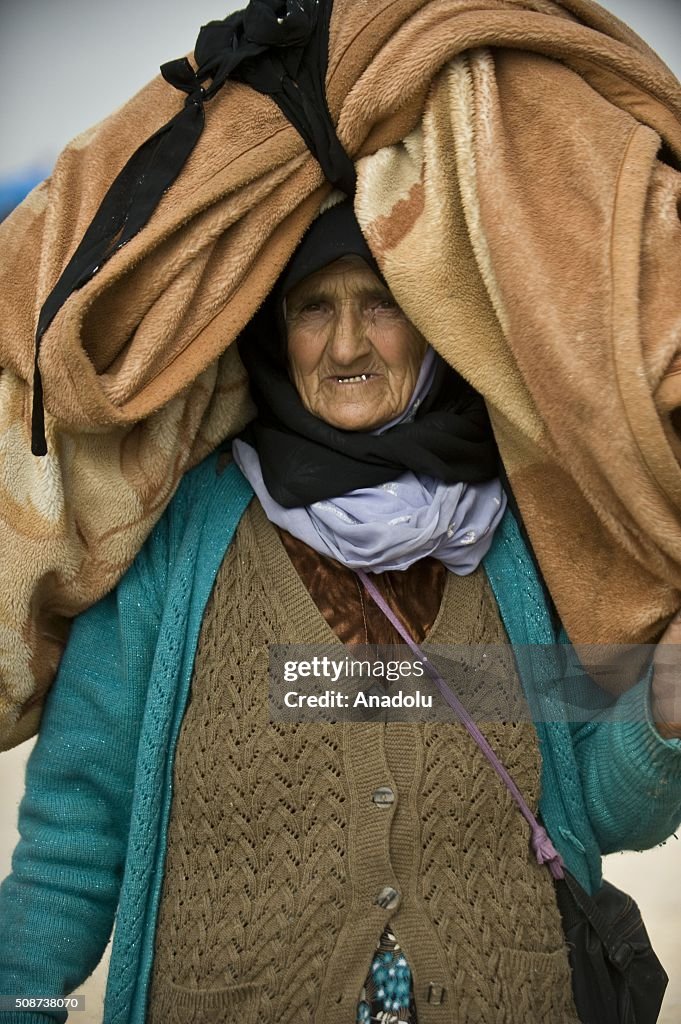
354, 412
357, 420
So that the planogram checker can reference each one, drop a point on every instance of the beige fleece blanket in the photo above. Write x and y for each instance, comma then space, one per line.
512, 188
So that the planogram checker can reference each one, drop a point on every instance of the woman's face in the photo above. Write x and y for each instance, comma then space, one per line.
353, 355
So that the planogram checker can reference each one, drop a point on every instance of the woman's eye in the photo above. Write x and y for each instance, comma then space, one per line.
387, 305
310, 308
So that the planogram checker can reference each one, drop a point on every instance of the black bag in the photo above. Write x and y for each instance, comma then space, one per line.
616, 976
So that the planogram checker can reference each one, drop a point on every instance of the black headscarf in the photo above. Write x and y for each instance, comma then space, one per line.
305, 459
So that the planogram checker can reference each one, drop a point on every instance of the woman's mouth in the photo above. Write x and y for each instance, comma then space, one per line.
358, 378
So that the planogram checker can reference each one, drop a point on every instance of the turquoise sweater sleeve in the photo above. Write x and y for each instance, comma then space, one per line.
609, 780
57, 906
631, 776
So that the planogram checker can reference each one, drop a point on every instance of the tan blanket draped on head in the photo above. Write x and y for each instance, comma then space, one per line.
511, 187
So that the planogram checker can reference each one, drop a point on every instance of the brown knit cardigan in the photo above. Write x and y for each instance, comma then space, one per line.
276, 850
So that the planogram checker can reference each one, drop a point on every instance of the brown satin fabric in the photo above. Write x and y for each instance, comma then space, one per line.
414, 594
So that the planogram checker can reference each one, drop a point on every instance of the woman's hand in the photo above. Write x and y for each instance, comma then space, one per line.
666, 689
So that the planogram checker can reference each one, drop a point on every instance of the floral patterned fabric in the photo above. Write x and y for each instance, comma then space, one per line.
388, 994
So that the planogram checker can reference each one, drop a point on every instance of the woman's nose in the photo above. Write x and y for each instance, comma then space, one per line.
349, 339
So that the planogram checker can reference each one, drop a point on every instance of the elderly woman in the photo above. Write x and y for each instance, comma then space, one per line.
263, 871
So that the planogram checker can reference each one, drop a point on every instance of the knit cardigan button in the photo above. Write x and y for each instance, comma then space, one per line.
436, 994
388, 898
383, 796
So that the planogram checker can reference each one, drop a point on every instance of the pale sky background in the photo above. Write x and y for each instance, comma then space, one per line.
66, 64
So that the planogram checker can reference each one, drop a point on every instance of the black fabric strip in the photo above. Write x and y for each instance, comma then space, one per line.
280, 49
125, 209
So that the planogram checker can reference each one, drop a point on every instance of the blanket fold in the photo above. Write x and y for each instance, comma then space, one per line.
519, 184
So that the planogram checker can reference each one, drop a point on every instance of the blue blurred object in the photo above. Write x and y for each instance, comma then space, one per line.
16, 187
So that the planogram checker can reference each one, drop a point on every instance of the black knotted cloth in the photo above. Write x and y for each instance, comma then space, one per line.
279, 48
303, 458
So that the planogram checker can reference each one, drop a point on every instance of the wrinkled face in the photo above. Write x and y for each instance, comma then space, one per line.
353, 355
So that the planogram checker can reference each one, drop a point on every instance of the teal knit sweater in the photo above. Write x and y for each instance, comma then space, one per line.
94, 819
